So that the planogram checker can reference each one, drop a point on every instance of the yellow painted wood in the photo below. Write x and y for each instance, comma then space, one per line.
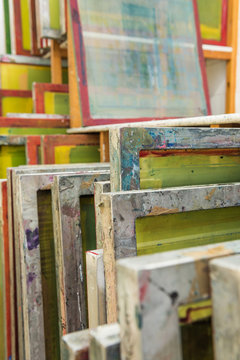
199, 310
26, 26
56, 103
31, 131
190, 169
21, 77
187, 229
76, 154
16, 105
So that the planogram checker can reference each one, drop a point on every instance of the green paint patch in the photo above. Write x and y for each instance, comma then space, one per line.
54, 12
48, 275
162, 169
7, 26
76, 154
187, 229
56, 103
88, 228
32, 131
11, 156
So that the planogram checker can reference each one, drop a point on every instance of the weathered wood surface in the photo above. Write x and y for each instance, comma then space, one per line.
48, 19
12, 200
96, 291
74, 234
27, 253
99, 189
5, 280
126, 144
225, 276
105, 342
198, 121
37, 122
150, 290
3, 319
75, 346
121, 210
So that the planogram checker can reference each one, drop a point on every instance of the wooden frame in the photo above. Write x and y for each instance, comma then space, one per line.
13, 93
38, 94
79, 53
17, 31
69, 243
96, 290
105, 342
5, 314
225, 293
121, 210
223, 40
27, 253
48, 144
153, 287
125, 148
75, 346
12, 177
30, 142
45, 29
5, 28
19, 122
100, 188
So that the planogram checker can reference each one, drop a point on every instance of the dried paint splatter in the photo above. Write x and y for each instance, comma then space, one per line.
32, 238
31, 277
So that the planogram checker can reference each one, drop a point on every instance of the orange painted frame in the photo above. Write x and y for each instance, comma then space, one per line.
38, 91
49, 142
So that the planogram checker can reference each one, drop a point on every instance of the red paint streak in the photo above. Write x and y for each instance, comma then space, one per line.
188, 152
144, 285
92, 252
201, 58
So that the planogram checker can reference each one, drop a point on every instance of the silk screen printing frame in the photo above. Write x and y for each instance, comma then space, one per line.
155, 287
70, 148
30, 223
51, 98
144, 158
131, 46
74, 234
147, 221
12, 180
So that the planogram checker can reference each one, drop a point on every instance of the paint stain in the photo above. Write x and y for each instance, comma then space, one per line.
31, 276
32, 238
210, 195
138, 317
156, 210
